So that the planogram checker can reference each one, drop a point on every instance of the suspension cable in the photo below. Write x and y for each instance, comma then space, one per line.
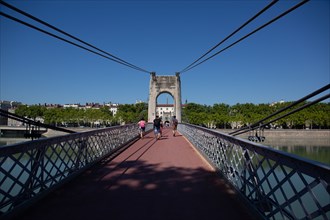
115, 58
258, 124
248, 35
233, 33
65, 40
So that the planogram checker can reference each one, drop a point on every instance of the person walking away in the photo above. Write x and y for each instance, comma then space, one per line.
157, 122
161, 127
175, 123
142, 127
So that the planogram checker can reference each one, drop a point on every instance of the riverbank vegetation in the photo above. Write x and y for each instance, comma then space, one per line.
226, 116
219, 115
90, 117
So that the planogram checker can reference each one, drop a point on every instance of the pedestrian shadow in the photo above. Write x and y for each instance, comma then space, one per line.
178, 135
141, 190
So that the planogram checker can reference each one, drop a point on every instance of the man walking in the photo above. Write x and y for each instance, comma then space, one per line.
175, 123
157, 123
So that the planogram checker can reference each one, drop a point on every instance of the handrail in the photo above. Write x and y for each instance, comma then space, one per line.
30, 170
278, 185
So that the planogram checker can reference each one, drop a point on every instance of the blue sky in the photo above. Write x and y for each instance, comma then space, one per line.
285, 61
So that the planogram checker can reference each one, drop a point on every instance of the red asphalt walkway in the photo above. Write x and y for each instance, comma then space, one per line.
164, 179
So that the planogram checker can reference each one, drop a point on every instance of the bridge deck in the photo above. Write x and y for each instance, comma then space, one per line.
164, 179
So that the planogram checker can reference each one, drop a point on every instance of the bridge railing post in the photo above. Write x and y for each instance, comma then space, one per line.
81, 155
35, 177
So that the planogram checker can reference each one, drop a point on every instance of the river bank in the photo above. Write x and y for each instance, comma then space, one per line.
323, 136
291, 137
54, 133
282, 133
287, 136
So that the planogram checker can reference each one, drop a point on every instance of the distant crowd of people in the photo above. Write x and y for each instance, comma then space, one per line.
158, 126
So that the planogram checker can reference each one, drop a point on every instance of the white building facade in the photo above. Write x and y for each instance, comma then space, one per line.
165, 111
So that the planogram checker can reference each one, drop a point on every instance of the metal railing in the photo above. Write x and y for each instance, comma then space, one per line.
31, 169
278, 185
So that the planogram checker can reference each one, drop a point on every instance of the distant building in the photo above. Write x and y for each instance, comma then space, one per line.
274, 103
139, 101
92, 105
166, 111
71, 105
48, 106
12, 122
113, 107
7, 106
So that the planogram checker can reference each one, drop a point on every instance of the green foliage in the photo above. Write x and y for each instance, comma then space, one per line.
128, 113
32, 112
67, 116
132, 113
220, 115
225, 116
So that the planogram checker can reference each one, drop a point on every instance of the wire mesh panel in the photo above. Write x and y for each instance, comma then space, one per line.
279, 185
30, 169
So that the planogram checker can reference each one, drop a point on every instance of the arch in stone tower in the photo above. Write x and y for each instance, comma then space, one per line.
164, 84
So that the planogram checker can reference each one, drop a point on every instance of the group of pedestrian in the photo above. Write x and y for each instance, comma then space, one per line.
157, 126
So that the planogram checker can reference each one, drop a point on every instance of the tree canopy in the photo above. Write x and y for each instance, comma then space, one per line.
73, 117
225, 116
219, 115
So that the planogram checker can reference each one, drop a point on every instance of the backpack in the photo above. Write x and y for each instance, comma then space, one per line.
175, 122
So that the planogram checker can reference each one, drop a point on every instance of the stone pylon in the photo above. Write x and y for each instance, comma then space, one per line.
160, 85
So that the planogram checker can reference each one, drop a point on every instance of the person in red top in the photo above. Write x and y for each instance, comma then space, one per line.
142, 127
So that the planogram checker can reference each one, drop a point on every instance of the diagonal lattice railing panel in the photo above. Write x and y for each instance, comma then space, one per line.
30, 169
278, 185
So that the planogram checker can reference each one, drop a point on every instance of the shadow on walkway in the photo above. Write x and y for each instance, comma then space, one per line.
135, 188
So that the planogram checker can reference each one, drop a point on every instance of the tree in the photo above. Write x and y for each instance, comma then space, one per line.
222, 115
132, 113
31, 112
53, 116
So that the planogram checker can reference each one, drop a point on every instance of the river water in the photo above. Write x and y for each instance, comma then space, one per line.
9, 141
317, 149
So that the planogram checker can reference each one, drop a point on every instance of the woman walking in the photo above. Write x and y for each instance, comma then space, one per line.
142, 127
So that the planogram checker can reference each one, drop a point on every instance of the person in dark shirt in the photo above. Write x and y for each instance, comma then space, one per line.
157, 123
175, 124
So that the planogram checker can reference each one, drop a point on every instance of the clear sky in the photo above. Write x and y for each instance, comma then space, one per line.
284, 61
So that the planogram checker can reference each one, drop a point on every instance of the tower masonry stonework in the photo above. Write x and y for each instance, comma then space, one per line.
160, 85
